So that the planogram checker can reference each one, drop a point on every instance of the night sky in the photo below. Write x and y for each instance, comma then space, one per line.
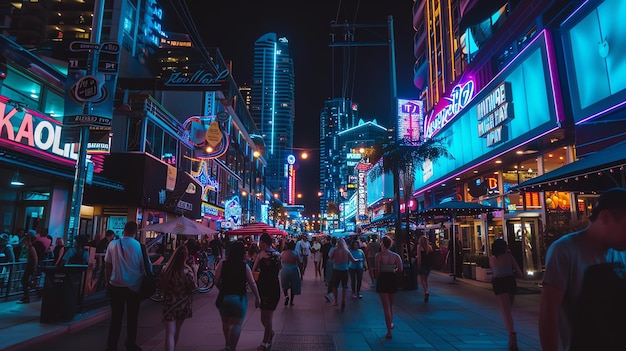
233, 27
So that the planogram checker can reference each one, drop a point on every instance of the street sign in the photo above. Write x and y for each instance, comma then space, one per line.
86, 89
107, 65
111, 47
83, 46
108, 58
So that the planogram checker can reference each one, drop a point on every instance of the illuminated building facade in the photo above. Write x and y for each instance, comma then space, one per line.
272, 106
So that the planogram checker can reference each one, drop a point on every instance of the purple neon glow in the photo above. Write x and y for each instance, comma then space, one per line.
574, 12
607, 110
436, 184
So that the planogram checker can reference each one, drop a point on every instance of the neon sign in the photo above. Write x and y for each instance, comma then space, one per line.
460, 97
36, 132
493, 112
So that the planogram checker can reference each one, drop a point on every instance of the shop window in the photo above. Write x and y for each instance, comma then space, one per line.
20, 88
53, 105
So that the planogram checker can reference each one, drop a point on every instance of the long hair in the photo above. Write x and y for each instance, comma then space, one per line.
423, 242
341, 244
173, 275
237, 252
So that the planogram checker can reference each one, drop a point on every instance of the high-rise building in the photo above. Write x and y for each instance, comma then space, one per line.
337, 115
272, 106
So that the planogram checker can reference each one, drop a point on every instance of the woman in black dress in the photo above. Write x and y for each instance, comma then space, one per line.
268, 264
387, 264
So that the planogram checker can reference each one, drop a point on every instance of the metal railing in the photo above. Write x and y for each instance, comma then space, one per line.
11, 278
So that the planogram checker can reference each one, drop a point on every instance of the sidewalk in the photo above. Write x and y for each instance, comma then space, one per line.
460, 315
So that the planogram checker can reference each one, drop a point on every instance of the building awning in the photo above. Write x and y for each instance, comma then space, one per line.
594, 173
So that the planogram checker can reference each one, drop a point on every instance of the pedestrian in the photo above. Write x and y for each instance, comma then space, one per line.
30, 268
341, 257
290, 273
387, 264
231, 276
216, 247
102, 245
6, 250
79, 253
177, 286
582, 298
268, 265
505, 270
124, 271
59, 251
372, 249
328, 270
303, 247
356, 269
424, 263
317, 256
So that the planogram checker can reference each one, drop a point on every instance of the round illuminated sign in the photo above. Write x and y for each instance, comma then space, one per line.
291, 159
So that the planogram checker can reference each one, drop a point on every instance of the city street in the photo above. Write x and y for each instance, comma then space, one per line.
461, 315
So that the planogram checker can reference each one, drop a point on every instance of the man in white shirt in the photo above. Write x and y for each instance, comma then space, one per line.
303, 248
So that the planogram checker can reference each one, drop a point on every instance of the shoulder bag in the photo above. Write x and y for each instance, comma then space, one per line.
148, 283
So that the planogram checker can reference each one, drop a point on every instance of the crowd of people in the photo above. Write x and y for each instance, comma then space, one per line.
592, 259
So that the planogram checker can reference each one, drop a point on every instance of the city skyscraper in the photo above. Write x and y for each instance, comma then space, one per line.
272, 106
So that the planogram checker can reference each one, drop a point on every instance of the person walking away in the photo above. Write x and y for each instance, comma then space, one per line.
177, 286
424, 263
124, 271
372, 249
317, 256
387, 264
304, 250
268, 265
328, 271
356, 269
216, 247
290, 273
341, 257
102, 245
505, 270
455, 257
231, 276
582, 299
30, 268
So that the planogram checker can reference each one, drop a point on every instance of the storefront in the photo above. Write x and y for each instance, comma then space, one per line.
500, 135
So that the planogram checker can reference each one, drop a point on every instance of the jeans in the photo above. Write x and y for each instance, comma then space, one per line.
356, 277
123, 298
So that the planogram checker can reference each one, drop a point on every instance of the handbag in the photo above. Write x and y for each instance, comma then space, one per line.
148, 283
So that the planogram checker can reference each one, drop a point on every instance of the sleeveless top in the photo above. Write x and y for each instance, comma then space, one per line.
233, 278
426, 258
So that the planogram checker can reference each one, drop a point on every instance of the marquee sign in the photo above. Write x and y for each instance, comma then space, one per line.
447, 109
494, 111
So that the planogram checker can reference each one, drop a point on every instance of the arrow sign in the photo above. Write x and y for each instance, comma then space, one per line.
83, 46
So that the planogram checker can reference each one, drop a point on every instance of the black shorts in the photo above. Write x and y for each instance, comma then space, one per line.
504, 285
339, 277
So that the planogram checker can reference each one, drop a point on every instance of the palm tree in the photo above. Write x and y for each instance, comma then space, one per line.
402, 159
276, 211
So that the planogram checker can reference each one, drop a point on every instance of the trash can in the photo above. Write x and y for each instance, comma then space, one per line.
61, 292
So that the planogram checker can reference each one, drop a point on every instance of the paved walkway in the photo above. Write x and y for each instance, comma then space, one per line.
460, 315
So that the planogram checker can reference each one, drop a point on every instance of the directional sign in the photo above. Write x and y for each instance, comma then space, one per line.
83, 46
86, 88
111, 47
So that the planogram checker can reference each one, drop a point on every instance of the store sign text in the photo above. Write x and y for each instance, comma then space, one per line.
32, 130
460, 97
493, 112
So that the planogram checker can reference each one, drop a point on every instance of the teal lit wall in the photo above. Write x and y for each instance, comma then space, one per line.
533, 110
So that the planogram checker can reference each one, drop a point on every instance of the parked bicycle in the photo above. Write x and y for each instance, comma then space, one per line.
206, 278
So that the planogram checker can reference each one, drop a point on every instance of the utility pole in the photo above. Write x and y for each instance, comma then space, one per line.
375, 38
